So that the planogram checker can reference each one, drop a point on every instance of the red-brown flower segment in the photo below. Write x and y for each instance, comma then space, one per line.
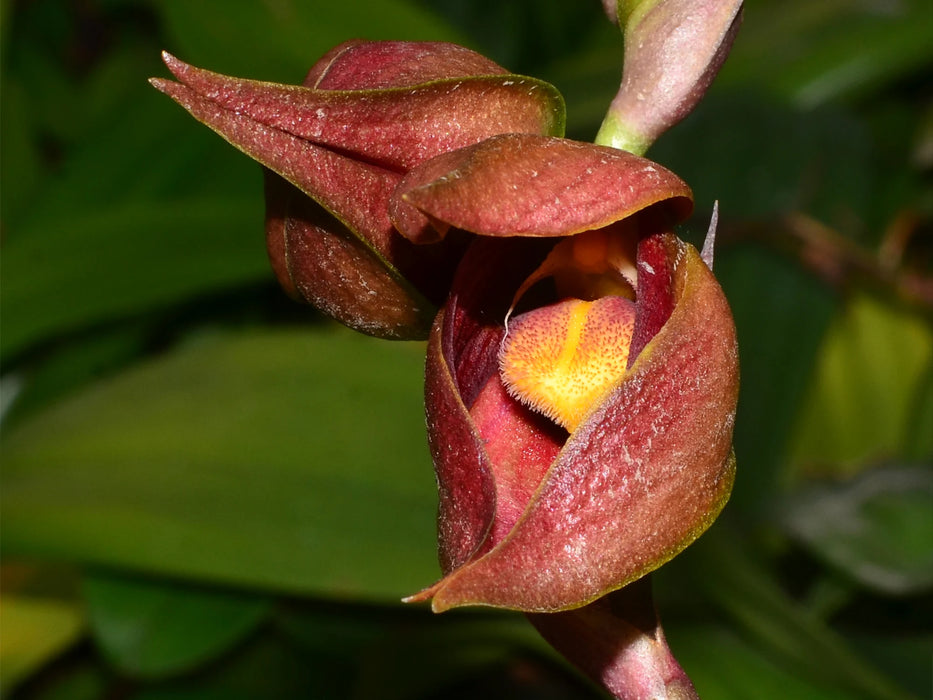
565, 471
338, 145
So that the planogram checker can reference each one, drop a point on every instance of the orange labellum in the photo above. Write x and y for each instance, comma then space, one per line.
560, 359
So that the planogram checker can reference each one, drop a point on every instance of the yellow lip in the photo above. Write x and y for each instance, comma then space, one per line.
560, 359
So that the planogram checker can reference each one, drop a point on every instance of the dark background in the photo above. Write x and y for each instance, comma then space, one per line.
211, 492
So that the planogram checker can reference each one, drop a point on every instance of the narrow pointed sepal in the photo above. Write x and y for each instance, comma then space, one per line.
396, 127
709, 243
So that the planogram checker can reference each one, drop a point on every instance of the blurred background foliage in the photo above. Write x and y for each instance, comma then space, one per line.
210, 492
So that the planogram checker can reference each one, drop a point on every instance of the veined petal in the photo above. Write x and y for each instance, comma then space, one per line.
354, 191
466, 490
351, 238
324, 264
367, 112
521, 445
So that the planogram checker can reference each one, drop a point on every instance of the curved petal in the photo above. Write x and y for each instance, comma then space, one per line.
521, 445
333, 270
532, 185
375, 108
461, 361
642, 477
466, 491
354, 191
277, 194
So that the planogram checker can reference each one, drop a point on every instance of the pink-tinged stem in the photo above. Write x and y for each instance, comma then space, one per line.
618, 642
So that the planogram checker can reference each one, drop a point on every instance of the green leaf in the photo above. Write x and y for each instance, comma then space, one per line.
724, 667
877, 527
285, 460
146, 213
725, 573
395, 654
781, 314
812, 53
5, 6
588, 79
869, 381
68, 366
20, 162
905, 653
83, 680
917, 441
268, 666
761, 159
175, 250
155, 628
34, 631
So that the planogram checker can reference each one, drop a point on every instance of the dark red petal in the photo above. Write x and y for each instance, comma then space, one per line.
462, 357
318, 158
277, 194
466, 491
656, 288
355, 195
521, 445
531, 185
354, 191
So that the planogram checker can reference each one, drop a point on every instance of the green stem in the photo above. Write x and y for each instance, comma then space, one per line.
615, 133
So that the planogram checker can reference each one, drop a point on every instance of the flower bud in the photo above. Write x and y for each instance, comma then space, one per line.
546, 508
673, 50
337, 147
